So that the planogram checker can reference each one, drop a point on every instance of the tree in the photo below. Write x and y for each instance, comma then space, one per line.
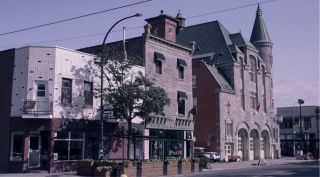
129, 92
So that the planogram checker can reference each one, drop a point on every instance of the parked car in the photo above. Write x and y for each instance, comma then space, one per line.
201, 152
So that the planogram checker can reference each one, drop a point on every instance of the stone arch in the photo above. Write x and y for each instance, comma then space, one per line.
241, 125
254, 145
243, 143
256, 126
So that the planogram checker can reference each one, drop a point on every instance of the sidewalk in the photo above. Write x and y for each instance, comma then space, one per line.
213, 167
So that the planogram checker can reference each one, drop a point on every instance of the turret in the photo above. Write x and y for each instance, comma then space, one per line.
181, 22
261, 40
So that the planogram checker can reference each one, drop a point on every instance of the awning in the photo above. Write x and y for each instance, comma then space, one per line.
158, 56
182, 95
181, 62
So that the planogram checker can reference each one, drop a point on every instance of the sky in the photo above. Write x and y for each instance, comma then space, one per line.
293, 26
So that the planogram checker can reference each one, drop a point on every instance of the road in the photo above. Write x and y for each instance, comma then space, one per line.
295, 169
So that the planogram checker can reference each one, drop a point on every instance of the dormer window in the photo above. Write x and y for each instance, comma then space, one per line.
170, 31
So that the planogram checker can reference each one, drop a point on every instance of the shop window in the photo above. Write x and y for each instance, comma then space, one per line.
16, 153
66, 92
88, 93
69, 145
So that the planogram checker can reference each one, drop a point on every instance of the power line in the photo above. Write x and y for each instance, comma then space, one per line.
230, 9
96, 34
70, 38
74, 18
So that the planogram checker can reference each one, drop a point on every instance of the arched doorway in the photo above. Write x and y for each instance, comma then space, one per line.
254, 145
243, 144
265, 145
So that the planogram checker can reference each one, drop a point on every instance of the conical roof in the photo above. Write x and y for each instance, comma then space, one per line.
259, 31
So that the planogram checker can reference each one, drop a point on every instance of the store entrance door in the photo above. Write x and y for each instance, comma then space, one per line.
34, 151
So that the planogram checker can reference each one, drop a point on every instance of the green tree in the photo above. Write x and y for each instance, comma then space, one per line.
129, 92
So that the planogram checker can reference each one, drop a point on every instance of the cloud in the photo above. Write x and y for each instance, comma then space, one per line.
287, 93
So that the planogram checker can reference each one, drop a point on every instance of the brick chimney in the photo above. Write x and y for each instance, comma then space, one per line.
164, 26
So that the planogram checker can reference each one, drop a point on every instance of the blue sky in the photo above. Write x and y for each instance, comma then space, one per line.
293, 26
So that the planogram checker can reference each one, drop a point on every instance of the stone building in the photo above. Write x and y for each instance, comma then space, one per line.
168, 64
232, 90
294, 137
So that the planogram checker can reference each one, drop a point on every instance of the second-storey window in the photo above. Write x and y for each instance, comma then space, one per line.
253, 70
41, 90
182, 96
66, 92
180, 65
88, 93
158, 59
253, 100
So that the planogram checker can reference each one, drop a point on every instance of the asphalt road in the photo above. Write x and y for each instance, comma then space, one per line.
297, 169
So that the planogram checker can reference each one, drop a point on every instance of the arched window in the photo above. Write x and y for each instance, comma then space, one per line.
253, 69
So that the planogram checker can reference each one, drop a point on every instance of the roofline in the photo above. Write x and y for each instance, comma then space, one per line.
57, 47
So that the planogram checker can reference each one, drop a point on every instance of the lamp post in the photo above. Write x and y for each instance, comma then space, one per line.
300, 102
102, 62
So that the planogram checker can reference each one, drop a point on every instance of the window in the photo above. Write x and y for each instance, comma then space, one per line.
181, 72
181, 102
16, 146
251, 144
195, 106
253, 100
181, 64
262, 144
307, 123
194, 81
88, 93
240, 144
69, 145
229, 129
253, 70
158, 59
41, 90
242, 99
66, 94
158, 66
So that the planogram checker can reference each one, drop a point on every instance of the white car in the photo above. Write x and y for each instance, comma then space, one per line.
201, 152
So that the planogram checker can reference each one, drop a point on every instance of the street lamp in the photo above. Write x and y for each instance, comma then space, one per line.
300, 102
101, 77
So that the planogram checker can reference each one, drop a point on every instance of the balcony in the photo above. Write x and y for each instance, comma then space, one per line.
37, 109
